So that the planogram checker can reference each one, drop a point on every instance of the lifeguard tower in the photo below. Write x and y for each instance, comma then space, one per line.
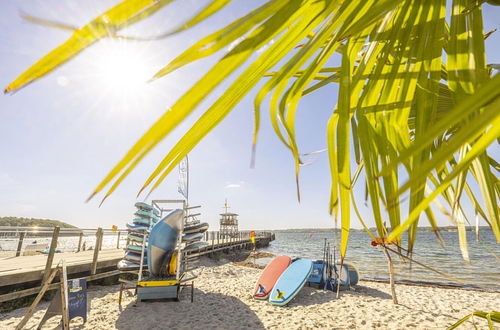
228, 223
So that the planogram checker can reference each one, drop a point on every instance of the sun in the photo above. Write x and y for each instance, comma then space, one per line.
121, 69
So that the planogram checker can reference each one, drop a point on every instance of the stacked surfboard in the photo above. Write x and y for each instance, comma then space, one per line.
193, 235
138, 232
282, 280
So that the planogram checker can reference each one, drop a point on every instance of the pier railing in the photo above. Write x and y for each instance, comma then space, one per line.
19, 241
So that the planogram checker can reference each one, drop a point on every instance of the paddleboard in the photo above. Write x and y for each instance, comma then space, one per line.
127, 265
192, 237
136, 238
195, 245
197, 228
291, 282
143, 206
162, 240
133, 256
141, 221
270, 275
143, 214
136, 248
137, 227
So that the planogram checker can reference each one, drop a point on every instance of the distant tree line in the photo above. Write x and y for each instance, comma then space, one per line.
30, 222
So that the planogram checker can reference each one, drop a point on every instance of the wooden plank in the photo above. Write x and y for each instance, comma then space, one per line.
32, 291
52, 250
98, 241
63, 279
20, 243
80, 242
30, 310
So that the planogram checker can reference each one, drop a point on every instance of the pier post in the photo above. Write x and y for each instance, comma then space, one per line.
20, 243
218, 236
52, 250
118, 240
80, 242
97, 247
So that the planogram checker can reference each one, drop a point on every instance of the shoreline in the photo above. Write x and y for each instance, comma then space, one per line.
223, 300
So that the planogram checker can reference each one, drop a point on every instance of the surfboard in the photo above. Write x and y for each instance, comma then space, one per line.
197, 228
192, 237
143, 206
291, 282
195, 245
156, 212
137, 227
162, 240
270, 275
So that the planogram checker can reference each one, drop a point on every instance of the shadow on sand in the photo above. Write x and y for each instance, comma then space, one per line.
311, 296
208, 311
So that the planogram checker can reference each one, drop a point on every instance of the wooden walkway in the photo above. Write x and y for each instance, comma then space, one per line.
15, 270
27, 272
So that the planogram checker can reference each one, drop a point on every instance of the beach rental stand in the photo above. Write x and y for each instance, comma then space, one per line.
168, 286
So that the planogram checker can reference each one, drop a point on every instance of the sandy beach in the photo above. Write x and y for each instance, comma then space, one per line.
223, 301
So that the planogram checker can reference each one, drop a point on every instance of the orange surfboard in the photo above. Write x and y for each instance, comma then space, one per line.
270, 275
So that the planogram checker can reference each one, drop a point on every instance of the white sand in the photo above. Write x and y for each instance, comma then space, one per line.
223, 301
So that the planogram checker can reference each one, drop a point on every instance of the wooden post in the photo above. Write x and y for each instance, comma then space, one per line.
98, 240
43, 289
80, 242
52, 251
218, 236
391, 277
20, 243
118, 240
63, 278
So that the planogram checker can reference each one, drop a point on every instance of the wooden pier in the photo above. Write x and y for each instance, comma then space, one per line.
22, 275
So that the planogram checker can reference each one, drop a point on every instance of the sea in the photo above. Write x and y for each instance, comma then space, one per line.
483, 271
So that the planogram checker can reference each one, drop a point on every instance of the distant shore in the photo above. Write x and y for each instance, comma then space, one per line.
223, 300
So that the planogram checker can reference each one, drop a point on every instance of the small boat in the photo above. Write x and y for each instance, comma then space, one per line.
192, 237
136, 248
137, 227
136, 237
143, 214
291, 282
141, 221
197, 228
132, 256
125, 264
162, 240
270, 275
143, 206
195, 245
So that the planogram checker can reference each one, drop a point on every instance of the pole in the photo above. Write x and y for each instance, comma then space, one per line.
52, 250
20, 243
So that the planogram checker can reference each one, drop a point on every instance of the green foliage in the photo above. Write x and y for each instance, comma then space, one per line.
30, 222
416, 100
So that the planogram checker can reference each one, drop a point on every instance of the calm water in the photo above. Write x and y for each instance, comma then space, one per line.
483, 271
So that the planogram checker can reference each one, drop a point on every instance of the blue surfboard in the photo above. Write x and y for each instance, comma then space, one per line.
143, 214
291, 282
141, 221
162, 240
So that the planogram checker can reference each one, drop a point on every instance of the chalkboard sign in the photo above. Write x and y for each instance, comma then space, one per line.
77, 302
77, 298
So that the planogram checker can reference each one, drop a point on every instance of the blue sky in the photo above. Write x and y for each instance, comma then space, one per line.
63, 133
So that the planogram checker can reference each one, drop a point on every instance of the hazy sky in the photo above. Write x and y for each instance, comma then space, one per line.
62, 134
